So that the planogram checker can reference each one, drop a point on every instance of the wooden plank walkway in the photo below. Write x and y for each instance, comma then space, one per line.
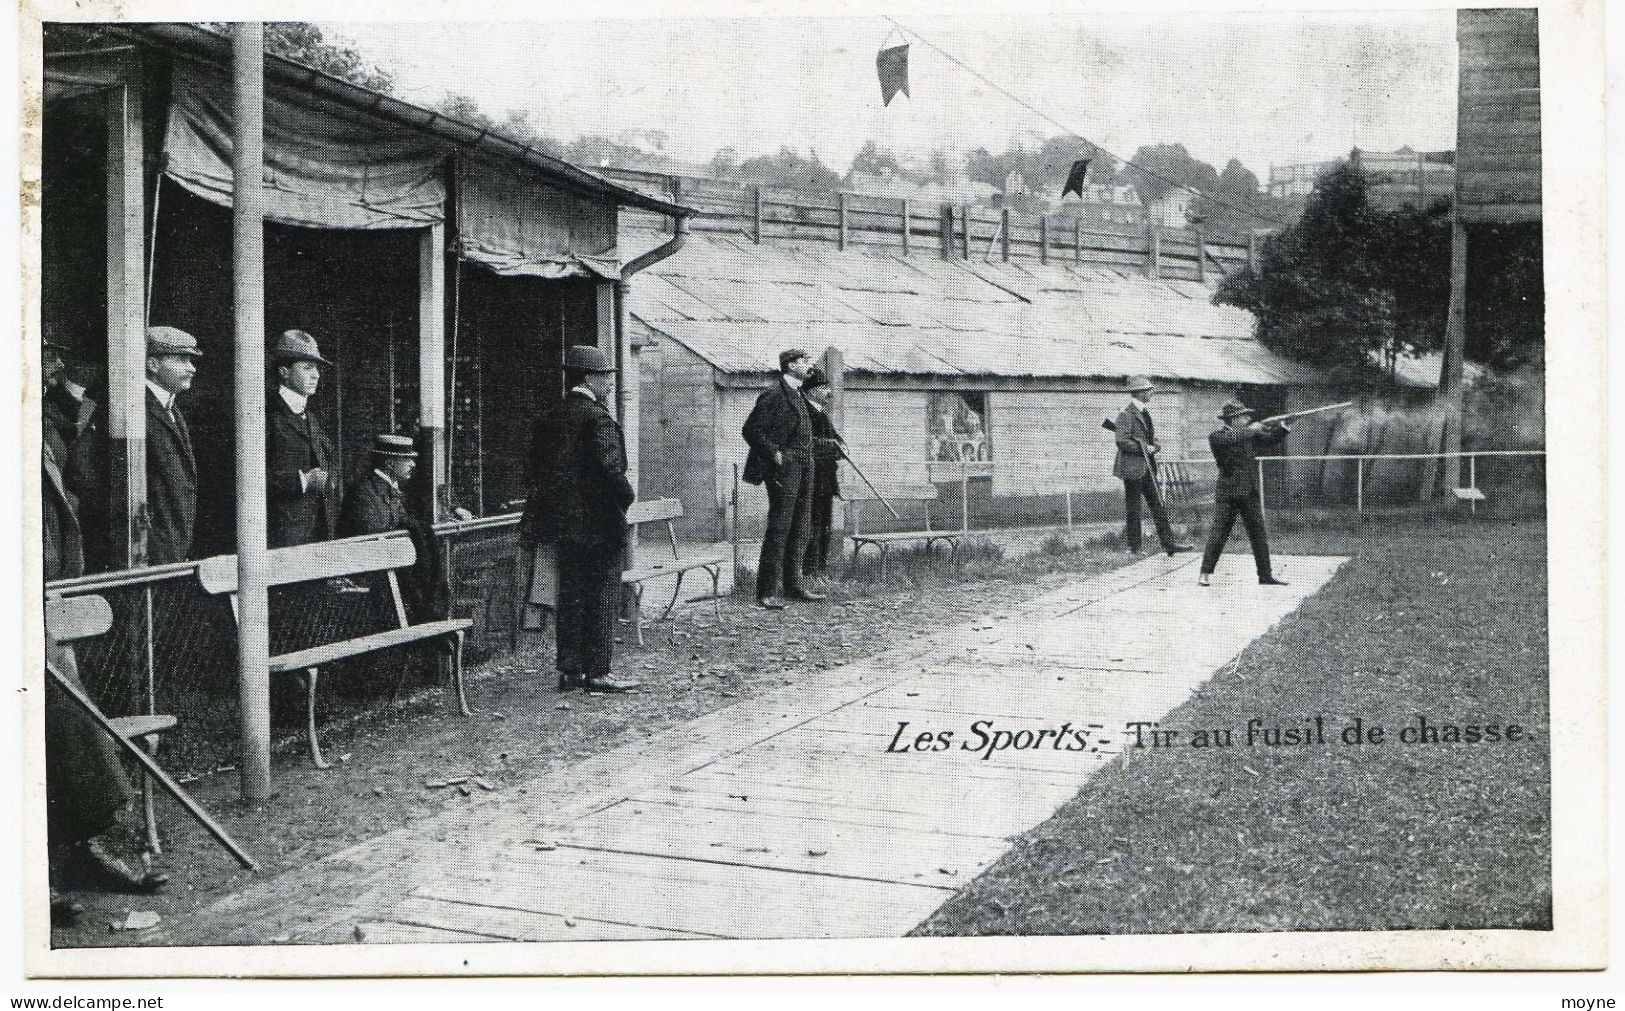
788, 815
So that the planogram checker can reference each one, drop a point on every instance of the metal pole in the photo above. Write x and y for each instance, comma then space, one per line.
1359, 487
964, 493
734, 526
1472, 481
248, 298
908, 228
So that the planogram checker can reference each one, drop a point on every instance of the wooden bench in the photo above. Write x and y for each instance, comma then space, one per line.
333, 560
668, 510
925, 493
69, 619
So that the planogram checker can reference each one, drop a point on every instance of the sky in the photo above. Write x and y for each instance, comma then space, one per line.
1268, 88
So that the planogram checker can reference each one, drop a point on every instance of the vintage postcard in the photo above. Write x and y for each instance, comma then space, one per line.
679, 490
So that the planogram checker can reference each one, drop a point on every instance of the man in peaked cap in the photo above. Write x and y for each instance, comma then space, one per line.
779, 432
172, 356
579, 509
1136, 465
301, 462
1235, 449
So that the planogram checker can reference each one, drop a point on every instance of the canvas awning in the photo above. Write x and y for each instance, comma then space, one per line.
515, 224
324, 167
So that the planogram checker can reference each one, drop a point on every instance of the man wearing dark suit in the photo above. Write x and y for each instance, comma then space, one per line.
1235, 449
779, 432
171, 468
375, 502
579, 508
301, 463
826, 483
1136, 465
73, 430
86, 789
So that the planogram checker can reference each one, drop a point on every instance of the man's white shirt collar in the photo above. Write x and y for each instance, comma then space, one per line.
75, 391
295, 401
792, 381
585, 391
387, 479
166, 399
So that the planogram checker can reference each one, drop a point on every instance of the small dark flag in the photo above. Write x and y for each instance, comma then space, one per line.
893, 67
1076, 177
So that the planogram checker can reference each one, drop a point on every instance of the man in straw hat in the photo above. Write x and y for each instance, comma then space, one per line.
374, 502
1235, 450
1136, 465
579, 509
779, 432
301, 463
172, 356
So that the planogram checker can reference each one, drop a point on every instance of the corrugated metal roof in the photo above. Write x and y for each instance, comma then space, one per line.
737, 305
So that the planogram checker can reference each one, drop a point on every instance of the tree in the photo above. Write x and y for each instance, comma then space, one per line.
872, 161
1157, 168
787, 168
304, 43
1348, 283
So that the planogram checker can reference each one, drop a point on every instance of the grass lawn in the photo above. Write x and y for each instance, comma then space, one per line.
1442, 620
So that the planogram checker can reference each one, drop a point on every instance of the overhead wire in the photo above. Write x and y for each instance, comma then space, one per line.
1067, 130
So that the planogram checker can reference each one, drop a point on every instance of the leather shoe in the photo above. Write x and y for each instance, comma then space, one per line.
608, 684
1202, 580
799, 594
1174, 549
105, 870
1272, 581
568, 681
770, 604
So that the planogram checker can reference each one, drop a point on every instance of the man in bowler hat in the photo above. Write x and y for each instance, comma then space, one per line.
1136, 465
301, 463
172, 356
779, 432
580, 510
1235, 449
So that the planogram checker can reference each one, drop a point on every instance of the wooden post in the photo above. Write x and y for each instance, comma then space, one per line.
840, 210
835, 371
248, 300
1004, 234
945, 230
432, 363
908, 227
756, 231
1450, 369
1077, 241
1201, 256
964, 232
1421, 181
1153, 248
126, 326
1043, 238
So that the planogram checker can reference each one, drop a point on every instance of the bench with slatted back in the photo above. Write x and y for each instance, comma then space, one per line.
70, 619
924, 493
653, 564
333, 560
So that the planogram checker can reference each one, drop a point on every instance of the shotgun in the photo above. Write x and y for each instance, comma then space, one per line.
1304, 414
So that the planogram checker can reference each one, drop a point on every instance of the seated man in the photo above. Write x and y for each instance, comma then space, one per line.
375, 503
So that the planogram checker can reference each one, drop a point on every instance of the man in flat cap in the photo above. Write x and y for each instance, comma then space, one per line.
172, 356
579, 509
779, 432
1136, 465
1235, 449
301, 463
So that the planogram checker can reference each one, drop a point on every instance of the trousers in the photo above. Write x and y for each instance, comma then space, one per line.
1144, 486
789, 505
820, 528
85, 784
1225, 511
589, 605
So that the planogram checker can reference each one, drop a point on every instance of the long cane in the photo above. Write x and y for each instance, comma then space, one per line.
154, 770
859, 471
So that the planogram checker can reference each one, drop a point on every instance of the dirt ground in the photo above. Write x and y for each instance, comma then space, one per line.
523, 727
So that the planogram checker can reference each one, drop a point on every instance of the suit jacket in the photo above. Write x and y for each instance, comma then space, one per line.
59, 518
1134, 430
582, 493
171, 485
778, 423
80, 448
826, 456
372, 506
291, 445
1235, 450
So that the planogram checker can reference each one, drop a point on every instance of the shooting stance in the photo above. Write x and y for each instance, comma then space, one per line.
1136, 465
1235, 450
780, 434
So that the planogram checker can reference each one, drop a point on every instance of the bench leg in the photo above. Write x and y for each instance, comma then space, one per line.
457, 675
716, 591
637, 611
149, 816
675, 593
310, 719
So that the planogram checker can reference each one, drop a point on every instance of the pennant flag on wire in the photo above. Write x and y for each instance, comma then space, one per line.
1076, 177
893, 67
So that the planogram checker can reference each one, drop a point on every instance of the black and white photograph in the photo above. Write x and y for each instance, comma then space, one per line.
560, 493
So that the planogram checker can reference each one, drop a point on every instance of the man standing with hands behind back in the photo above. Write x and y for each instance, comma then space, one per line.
302, 465
1136, 465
